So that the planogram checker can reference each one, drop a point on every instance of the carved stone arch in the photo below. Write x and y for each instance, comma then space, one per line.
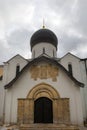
41, 90
60, 106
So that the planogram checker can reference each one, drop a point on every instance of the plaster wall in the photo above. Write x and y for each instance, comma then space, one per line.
79, 72
50, 50
75, 62
10, 68
64, 85
83, 66
1, 99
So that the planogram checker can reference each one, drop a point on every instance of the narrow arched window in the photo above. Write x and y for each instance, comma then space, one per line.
34, 54
17, 69
43, 50
53, 54
70, 68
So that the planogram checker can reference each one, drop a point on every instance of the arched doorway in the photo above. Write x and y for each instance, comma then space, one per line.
43, 105
43, 110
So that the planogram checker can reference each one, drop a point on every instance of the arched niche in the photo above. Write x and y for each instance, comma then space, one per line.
41, 90
60, 106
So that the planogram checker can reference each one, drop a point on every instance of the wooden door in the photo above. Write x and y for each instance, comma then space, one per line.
43, 110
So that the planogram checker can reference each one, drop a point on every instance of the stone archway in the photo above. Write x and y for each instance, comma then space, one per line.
60, 106
43, 90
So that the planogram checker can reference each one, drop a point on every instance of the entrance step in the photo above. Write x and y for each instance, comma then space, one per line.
47, 127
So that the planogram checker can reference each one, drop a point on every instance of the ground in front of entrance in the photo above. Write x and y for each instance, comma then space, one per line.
83, 128
16, 128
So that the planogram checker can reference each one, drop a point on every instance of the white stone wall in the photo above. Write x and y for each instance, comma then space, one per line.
9, 72
79, 72
64, 85
75, 62
10, 68
1, 99
83, 67
37, 50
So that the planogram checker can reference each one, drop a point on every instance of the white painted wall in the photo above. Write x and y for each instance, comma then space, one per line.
10, 68
79, 72
83, 74
75, 65
1, 99
37, 50
9, 72
64, 85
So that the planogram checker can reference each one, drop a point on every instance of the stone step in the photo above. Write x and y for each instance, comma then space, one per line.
47, 127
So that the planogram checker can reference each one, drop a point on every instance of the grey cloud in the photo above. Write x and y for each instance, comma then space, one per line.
22, 17
19, 41
18, 37
81, 24
71, 44
4, 51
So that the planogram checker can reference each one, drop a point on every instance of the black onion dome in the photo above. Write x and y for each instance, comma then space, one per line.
43, 35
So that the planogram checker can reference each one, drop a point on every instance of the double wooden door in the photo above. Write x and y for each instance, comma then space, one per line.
43, 110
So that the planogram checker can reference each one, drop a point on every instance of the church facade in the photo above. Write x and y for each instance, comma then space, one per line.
44, 89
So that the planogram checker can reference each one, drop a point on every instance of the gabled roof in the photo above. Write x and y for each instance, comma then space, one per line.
46, 59
83, 59
14, 57
71, 55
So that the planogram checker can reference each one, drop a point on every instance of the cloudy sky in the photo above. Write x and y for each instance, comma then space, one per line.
19, 19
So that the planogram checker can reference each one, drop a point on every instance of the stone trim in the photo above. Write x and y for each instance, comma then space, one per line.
61, 111
43, 89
